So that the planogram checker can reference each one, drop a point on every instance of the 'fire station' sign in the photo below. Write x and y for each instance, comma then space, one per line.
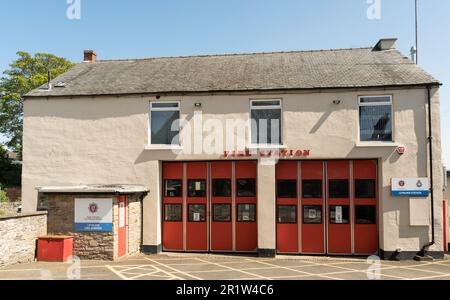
283, 153
410, 187
93, 214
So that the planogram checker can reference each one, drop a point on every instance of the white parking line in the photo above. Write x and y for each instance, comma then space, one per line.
117, 273
176, 270
236, 270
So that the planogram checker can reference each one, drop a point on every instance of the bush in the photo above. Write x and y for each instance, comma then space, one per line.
3, 196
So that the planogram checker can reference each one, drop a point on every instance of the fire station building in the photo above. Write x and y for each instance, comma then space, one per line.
330, 152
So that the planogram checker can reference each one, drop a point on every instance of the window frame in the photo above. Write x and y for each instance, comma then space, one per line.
390, 103
374, 188
237, 189
249, 221
329, 194
229, 180
165, 188
290, 206
173, 204
321, 214
152, 109
278, 189
265, 107
375, 212
312, 180
189, 215
197, 180
330, 222
214, 213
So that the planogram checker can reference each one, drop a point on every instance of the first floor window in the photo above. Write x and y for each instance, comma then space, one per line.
375, 118
265, 122
164, 123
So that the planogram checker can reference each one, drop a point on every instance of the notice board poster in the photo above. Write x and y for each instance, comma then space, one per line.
93, 214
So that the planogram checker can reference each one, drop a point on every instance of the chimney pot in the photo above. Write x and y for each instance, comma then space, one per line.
385, 44
90, 56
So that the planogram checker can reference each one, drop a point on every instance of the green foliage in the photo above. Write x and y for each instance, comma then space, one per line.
3, 196
25, 74
9, 173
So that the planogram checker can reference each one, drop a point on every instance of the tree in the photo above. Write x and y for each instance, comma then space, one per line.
9, 172
24, 75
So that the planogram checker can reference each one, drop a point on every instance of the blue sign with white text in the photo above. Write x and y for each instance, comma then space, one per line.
410, 187
410, 193
93, 226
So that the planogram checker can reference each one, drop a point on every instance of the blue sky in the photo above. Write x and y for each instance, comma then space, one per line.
147, 28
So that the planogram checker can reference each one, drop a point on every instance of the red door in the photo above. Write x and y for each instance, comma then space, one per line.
365, 206
339, 218
313, 207
172, 227
221, 206
122, 204
197, 206
246, 211
287, 207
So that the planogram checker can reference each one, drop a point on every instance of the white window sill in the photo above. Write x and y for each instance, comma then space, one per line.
268, 147
376, 144
163, 147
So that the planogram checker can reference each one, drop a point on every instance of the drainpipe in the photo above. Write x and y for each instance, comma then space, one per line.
425, 248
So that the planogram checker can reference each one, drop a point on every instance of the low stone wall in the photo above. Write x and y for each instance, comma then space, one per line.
18, 236
9, 208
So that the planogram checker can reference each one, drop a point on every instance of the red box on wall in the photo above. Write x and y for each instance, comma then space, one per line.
54, 248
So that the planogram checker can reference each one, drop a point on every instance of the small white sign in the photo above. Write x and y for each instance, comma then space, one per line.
196, 217
121, 214
93, 214
338, 215
312, 214
410, 187
198, 186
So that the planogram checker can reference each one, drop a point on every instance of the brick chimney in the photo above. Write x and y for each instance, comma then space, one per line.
90, 56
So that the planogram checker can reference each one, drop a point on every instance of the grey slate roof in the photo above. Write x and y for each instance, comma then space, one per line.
339, 68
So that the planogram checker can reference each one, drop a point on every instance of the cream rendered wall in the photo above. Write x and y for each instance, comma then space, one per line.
102, 140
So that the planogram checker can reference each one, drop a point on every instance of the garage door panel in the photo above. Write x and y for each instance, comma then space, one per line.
221, 206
